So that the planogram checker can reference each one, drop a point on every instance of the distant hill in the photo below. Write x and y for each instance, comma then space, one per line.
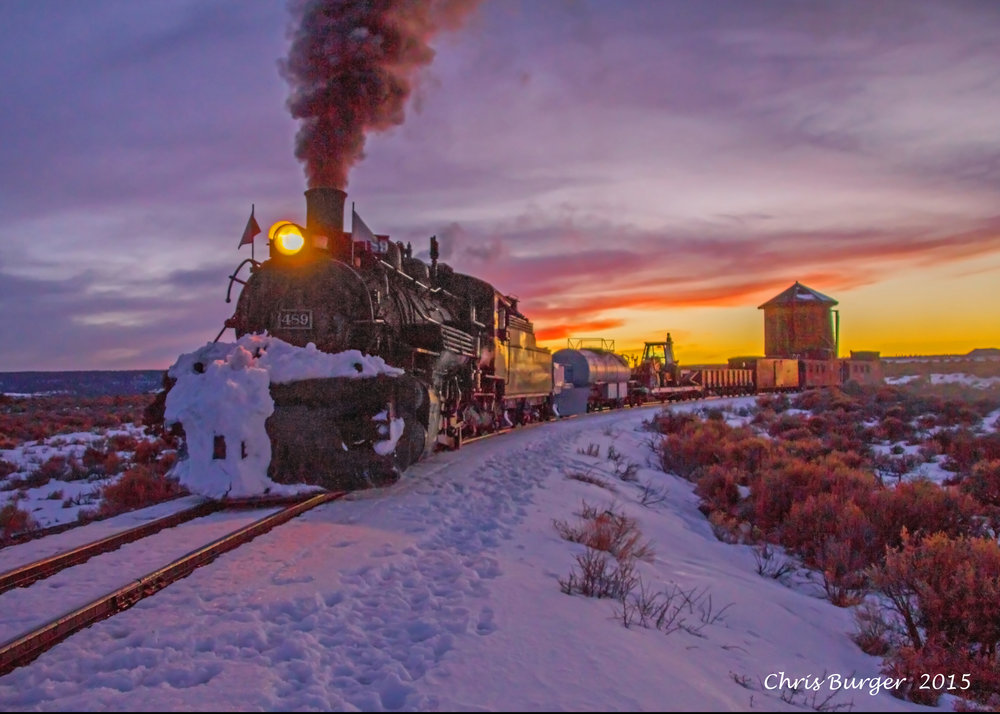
980, 353
86, 384
985, 352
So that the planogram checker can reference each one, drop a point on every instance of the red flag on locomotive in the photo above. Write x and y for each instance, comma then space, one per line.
250, 231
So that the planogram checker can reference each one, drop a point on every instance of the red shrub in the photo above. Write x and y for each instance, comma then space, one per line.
926, 421
929, 449
138, 487
165, 463
799, 433
836, 537
111, 464
850, 458
947, 593
698, 445
13, 520
944, 666
964, 448
843, 441
897, 412
786, 423
844, 578
718, 489
824, 517
805, 446
814, 400
789, 480
764, 418
746, 454
893, 429
41, 417
122, 442
75, 470
93, 458
55, 467
892, 468
887, 395
923, 508
7, 468
669, 422
948, 587
983, 484
147, 451
774, 402
818, 425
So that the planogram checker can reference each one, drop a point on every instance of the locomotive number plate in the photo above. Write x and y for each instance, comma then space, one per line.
295, 319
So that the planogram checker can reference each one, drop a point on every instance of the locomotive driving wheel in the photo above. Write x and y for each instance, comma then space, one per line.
410, 446
411, 405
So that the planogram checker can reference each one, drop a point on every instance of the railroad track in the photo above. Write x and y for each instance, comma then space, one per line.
26, 647
652, 403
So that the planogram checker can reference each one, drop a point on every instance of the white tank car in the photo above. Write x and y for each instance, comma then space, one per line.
593, 379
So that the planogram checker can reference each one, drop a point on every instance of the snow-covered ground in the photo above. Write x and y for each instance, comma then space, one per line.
442, 593
905, 379
58, 501
968, 380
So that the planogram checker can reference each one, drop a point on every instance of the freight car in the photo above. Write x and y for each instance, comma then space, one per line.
770, 374
591, 378
788, 374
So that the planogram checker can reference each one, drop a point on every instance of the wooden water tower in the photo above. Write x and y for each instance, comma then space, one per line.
798, 323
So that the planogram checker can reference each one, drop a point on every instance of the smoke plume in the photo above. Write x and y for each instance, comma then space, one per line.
351, 68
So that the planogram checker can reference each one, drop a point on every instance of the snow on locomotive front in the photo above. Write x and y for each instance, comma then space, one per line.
470, 356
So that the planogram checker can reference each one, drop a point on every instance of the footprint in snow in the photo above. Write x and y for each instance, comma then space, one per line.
486, 625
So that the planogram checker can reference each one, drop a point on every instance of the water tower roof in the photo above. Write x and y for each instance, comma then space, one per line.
798, 294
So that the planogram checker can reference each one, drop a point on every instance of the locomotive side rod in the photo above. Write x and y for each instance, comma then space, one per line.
27, 647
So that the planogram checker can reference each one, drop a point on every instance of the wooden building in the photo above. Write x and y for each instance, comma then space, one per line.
798, 323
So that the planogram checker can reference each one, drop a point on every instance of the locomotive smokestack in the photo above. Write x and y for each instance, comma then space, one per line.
325, 212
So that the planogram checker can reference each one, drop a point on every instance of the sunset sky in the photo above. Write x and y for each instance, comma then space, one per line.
626, 168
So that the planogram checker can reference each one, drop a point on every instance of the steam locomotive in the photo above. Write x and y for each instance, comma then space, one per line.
470, 355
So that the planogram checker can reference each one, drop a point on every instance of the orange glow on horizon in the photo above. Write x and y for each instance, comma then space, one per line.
912, 313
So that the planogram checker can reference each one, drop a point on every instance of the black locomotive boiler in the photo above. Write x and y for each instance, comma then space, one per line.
470, 356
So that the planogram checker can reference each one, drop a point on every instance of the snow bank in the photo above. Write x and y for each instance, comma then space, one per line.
948, 378
967, 379
222, 390
391, 429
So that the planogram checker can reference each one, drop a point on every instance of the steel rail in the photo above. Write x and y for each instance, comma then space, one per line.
29, 573
27, 647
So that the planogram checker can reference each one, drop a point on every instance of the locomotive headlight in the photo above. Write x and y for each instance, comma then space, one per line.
287, 238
